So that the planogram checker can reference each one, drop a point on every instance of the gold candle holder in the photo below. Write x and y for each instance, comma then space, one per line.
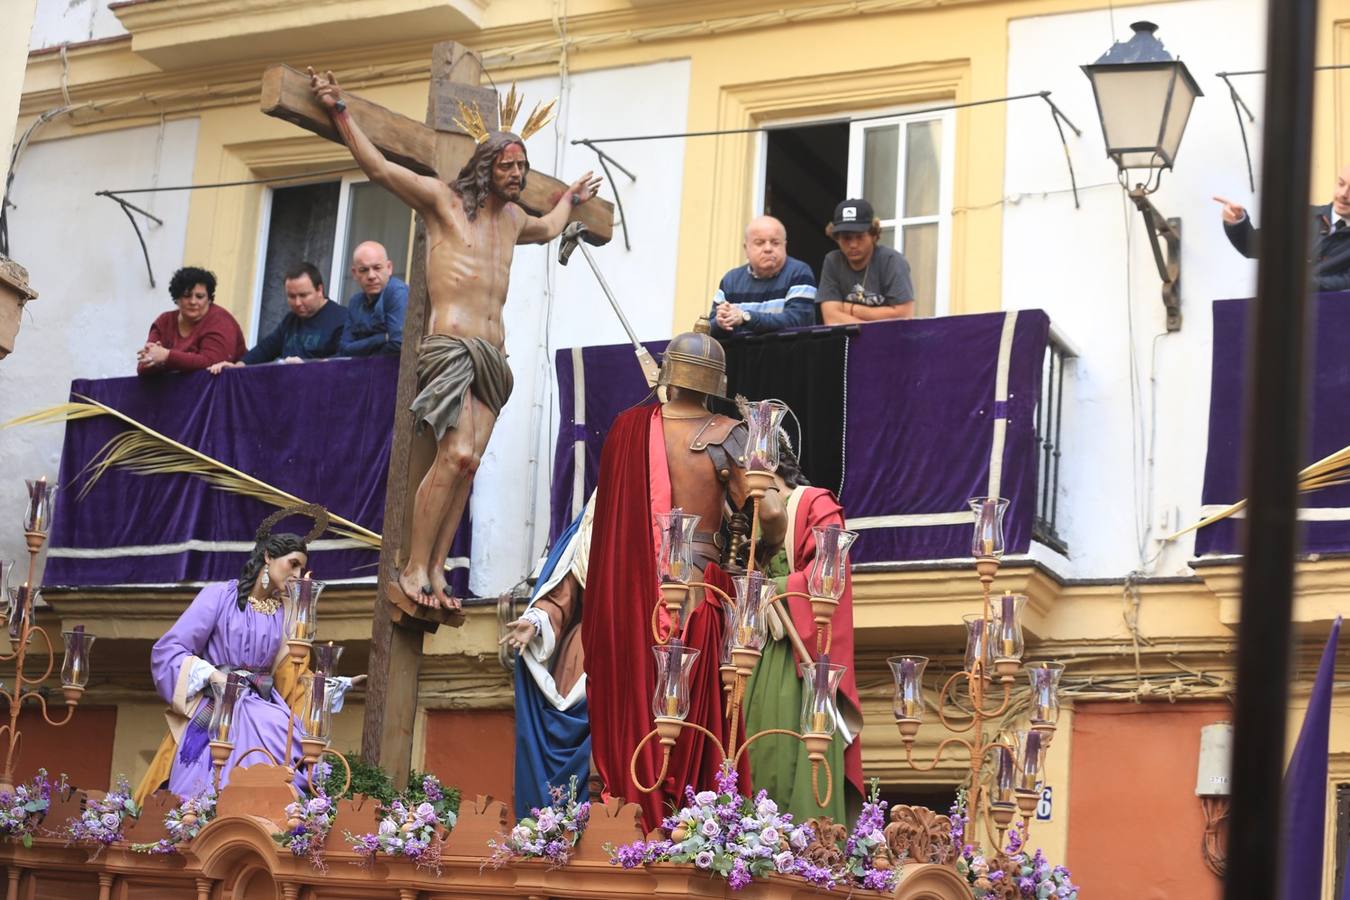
744, 660
1027, 801
73, 693
987, 567
816, 745
758, 483
668, 730
909, 729
311, 749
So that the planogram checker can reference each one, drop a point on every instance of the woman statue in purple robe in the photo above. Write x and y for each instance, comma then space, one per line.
234, 626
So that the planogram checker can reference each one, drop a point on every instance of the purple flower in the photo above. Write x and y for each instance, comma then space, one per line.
704, 860
710, 828
784, 862
739, 876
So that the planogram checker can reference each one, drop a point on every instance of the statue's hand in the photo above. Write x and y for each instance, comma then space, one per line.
584, 188
519, 634
325, 88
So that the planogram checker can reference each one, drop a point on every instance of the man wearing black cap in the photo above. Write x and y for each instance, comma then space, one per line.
864, 280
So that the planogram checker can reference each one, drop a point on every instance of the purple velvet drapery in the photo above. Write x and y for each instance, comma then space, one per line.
1328, 429
320, 431
918, 436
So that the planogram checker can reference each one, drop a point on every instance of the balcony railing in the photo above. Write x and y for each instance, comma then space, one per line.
1049, 419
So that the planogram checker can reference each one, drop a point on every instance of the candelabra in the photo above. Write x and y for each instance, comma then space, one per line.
749, 611
20, 615
314, 710
994, 649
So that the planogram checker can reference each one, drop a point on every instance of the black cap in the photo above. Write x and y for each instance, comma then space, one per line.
853, 215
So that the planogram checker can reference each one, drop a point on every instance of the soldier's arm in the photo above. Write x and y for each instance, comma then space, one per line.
418, 191
541, 229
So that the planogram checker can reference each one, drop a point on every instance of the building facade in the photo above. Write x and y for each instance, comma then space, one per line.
865, 97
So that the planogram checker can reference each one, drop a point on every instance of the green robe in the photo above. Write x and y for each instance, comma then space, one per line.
778, 763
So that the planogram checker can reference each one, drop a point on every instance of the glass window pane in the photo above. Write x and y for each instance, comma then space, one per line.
923, 168
921, 251
301, 227
881, 165
374, 214
888, 237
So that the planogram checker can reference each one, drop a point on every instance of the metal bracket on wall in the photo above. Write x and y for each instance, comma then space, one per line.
129, 208
605, 160
1169, 269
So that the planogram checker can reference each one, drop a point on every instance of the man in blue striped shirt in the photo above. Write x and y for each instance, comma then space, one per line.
771, 292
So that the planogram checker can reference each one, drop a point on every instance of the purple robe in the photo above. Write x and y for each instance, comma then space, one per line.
214, 629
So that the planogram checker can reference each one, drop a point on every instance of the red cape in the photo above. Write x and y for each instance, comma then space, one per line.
622, 587
818, 508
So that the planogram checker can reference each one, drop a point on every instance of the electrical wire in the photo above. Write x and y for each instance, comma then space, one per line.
1214, 841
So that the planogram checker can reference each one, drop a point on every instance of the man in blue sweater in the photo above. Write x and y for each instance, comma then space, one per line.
375, 312
311, 330
771, 292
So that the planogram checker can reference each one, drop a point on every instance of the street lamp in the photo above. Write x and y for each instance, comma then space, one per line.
1144, 100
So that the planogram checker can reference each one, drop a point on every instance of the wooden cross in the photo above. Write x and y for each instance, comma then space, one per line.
438, 148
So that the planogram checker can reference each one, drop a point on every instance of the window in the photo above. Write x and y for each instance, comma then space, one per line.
371, 214
304, 223
903, 167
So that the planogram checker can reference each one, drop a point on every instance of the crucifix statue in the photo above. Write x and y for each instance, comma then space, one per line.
476, 198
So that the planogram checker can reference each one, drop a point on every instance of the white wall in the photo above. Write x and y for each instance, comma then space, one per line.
73, 21
96, 303
510, 508
1127, 459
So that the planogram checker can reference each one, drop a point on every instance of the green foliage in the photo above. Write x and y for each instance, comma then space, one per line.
367, 778
373, 781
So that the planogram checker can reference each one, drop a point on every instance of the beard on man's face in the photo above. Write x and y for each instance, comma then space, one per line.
509, 189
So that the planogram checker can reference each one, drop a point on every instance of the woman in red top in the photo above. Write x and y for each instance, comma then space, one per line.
195, 335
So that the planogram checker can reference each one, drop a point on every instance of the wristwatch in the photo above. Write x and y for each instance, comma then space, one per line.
745, 316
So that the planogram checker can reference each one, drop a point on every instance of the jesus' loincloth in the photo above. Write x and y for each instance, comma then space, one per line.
447, 367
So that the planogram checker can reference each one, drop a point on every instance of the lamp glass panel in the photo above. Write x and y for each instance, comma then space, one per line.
881, 166
1131, 100
1182, 101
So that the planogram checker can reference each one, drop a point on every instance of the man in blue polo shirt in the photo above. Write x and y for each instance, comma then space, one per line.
771, 292
375, 311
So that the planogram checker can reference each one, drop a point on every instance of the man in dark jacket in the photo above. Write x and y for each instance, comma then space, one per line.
1328, 242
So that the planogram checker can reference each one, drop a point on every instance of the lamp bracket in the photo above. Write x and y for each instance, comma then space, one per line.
1169, 268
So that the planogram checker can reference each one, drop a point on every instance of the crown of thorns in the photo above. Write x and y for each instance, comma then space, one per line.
312, 510
470, 117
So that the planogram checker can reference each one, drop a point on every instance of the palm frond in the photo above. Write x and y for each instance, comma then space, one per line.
64, 412
1329, 471
145, 451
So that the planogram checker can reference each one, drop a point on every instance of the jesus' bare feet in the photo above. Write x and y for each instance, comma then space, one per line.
441, 590
416, 586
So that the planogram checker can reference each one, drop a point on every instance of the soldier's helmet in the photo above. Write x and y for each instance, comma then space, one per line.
695, 361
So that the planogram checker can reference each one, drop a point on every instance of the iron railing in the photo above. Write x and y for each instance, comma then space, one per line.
1049, 421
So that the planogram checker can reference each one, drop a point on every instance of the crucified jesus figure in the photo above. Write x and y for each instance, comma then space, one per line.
463, 380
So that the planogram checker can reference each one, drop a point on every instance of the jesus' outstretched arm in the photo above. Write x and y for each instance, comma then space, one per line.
542, 229
418, 191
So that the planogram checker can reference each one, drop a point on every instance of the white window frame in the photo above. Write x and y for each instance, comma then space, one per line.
943, 219
333, 276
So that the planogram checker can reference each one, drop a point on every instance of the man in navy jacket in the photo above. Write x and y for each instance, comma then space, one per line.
1328, 242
